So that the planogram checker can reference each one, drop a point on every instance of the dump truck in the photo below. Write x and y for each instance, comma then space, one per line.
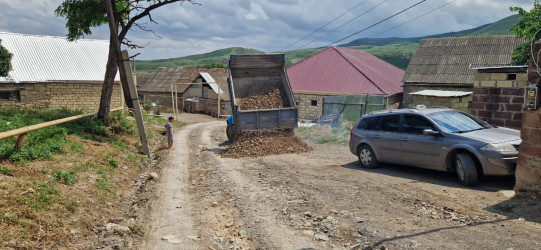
251, 77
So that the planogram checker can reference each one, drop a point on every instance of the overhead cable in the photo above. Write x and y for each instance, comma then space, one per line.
351, 20
396, 14
318, 29
394, 27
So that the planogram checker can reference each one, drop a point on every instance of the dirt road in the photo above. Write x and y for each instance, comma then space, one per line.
323, 200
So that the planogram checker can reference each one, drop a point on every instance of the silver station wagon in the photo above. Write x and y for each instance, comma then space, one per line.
435, 138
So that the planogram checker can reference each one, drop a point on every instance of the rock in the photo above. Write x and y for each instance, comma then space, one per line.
242, 232
308, 214
329, 218
308, 233
454, 218
28, 191
228, 225
321, 237
115, 228
359, 220
130, 222
154, 176
168, 237
307, 224
292, 217
214, 204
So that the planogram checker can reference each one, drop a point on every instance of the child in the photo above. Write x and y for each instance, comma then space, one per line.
169, 132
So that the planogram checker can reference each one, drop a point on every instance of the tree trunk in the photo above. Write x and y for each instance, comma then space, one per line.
108, 83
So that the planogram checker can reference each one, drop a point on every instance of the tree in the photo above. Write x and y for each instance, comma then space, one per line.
5, 60
528, 26
121, 15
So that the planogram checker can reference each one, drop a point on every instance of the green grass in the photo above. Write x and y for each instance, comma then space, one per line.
5, 171
65, 177
42, 144
45, 195
324, 135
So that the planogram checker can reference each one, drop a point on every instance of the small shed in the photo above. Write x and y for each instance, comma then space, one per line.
344, 80
447, 64
196, 84
52, 72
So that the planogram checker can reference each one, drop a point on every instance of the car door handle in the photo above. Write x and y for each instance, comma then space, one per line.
405, 139
376, 136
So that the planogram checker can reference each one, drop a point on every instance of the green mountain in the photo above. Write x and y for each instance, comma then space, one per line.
500, 27
212, 59
394, 50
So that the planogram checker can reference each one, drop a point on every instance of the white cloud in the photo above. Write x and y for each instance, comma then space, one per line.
265, 25
256, 12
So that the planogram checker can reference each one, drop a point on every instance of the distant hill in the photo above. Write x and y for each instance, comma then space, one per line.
500, 27
395, 50
201, 60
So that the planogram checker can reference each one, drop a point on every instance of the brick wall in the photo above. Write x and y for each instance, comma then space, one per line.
498, 100
79, 96
460, 103
528, 173
308, 111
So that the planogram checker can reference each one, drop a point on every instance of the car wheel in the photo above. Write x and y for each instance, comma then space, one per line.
466, 170
367, 158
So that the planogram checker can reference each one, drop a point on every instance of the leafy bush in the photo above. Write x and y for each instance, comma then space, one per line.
5, 171
65, 177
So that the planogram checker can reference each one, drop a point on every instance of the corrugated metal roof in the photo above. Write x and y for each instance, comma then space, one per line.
452, 59
211, 82
442, 93
161, 81
48, 58
347, 71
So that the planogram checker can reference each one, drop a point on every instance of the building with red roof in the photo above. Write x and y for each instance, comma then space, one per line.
338, 71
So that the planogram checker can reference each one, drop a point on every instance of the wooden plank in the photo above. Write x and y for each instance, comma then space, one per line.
135, 102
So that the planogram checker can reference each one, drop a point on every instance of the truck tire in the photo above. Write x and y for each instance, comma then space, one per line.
229, 133
367, 158
465, 169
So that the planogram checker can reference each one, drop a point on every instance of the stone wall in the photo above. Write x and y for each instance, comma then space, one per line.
210, 107
460, 103
528, 173
77, 96
498, 98
310, 106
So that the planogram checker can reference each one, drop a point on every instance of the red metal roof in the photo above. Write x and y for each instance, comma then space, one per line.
345, 71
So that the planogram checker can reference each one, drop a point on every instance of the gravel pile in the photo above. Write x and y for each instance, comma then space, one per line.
271, 98
254, 144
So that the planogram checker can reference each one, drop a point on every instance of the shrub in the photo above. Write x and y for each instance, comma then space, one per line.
5, 171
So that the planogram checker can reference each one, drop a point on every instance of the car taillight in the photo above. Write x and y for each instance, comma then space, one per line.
351, 133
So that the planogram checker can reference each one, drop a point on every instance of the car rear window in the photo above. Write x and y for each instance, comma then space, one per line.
369, 123
390, 123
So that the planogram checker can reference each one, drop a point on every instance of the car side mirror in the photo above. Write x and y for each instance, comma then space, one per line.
431, 132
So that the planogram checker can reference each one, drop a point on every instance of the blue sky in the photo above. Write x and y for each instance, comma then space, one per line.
269, 26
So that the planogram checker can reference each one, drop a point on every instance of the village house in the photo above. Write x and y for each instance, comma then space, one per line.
344, 80
442, 71
197, 89
52, 72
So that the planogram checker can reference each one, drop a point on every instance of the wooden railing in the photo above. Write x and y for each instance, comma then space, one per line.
22, 132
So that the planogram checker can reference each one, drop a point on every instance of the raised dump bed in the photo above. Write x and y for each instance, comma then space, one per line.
261, 96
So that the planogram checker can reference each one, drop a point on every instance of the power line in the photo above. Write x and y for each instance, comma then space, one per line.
415, 18
351, 20
318, 29
398, 13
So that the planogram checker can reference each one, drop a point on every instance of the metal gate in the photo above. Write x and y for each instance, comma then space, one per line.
352, 107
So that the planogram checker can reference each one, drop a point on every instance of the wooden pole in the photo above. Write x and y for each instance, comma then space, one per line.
20, 141
135, 102
172, 99
219, 107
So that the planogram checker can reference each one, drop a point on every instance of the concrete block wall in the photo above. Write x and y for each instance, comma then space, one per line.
498, 100
210, 107
80, 96
77, 96
499, 106
306, 110
460, 103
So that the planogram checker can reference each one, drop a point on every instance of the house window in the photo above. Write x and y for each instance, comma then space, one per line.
9, 96
511, 77
313, 102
